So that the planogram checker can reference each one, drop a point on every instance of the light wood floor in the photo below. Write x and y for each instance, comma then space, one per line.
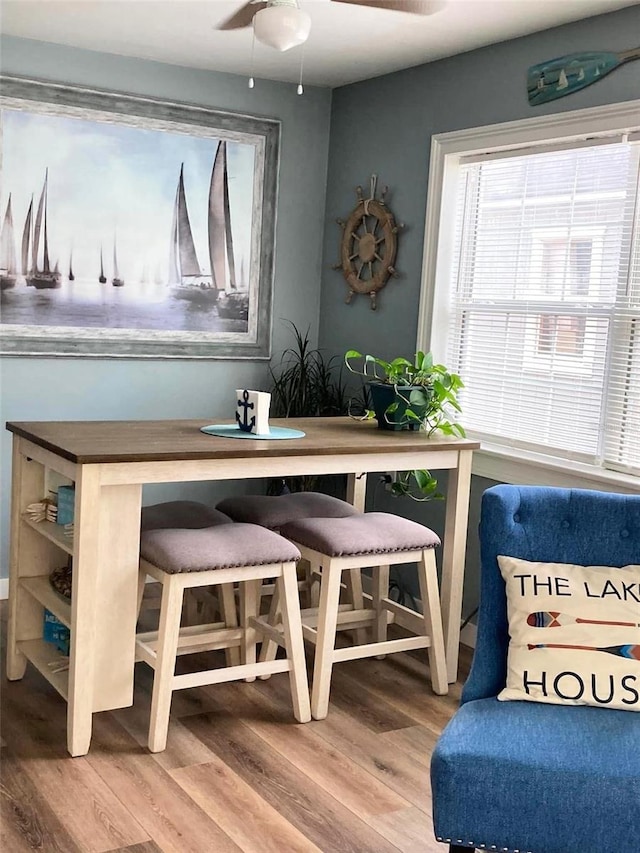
238, 774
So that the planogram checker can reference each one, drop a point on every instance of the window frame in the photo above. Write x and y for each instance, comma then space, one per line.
498, 462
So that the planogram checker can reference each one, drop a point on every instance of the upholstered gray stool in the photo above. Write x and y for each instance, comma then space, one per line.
274, 511
188, 515
225, 553
340, 544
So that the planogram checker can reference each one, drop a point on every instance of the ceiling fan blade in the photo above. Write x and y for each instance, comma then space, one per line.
243, 17
416, 7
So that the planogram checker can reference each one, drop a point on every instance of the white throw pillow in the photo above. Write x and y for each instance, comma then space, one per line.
574, 634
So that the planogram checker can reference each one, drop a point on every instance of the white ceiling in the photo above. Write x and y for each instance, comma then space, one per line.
347, 43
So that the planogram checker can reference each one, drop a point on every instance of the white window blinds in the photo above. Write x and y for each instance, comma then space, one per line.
545, 301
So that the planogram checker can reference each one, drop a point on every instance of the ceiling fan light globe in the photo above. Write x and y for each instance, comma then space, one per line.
281, 27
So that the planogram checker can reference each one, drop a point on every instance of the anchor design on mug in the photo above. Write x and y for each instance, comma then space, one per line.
252, 411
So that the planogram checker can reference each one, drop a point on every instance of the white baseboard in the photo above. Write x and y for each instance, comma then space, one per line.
4, 588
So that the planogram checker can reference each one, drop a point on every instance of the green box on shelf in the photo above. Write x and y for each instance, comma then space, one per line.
66, 501
55, 632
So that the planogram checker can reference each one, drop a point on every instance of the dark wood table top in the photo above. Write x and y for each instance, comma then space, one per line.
85, 442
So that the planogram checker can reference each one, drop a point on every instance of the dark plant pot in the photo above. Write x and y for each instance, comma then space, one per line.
382, 396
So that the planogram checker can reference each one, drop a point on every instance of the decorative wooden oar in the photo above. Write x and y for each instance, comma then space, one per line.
554, 619
630, 652
558, 77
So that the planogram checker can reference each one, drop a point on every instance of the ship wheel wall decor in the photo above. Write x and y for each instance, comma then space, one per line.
368, 246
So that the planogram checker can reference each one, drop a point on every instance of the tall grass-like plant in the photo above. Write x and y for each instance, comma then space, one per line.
306, 384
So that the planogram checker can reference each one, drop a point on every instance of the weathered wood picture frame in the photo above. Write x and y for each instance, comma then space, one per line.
134, 227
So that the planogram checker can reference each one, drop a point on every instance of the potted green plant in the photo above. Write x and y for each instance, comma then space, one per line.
418, 394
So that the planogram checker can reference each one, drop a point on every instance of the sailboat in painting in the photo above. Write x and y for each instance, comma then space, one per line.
102, 277
7, 251
187, 279
117, 280
26, 241
233, 303
42, 277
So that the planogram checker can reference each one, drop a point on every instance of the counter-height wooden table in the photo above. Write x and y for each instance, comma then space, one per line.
109, 462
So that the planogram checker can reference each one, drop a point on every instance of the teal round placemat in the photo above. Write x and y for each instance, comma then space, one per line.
233, 431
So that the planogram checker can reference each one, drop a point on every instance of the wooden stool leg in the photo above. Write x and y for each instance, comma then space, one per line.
353, 582
292, 629
142, 582
229, 613
428, 578
303, 573
327, 621
249, 604
269, 649
380, 591
209, 604
190, 604
314, 585
170, 612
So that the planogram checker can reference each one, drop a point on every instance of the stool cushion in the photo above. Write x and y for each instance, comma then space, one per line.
184, 514
224, 546
273, 511
367, 533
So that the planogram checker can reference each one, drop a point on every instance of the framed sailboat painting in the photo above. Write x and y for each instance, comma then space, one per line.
133, 227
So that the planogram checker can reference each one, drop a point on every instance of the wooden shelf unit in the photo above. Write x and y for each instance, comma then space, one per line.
41, 654
42, 591
53, 532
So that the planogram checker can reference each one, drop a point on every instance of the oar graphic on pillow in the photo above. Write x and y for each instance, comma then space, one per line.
628, 651
554, 619
556, 78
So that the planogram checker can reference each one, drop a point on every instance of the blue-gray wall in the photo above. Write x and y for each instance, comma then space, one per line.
384, 126
69, 389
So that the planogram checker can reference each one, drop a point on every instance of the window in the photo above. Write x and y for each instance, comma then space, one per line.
536, 284
560, 335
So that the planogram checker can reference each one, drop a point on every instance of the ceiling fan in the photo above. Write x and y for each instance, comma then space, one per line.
282, 24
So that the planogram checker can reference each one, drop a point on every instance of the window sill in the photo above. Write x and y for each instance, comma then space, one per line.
522, 467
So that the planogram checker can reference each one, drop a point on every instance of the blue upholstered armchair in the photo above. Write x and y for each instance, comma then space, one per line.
524, 776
